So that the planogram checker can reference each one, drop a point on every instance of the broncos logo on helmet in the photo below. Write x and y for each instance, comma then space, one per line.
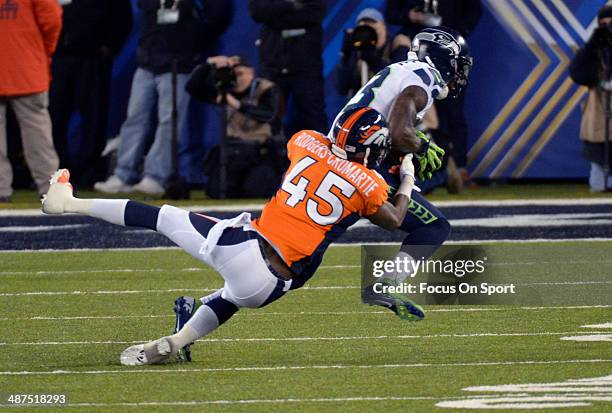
361, 135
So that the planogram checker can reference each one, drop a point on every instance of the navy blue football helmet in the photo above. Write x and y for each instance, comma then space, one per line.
466, 61
448, 52
361, 135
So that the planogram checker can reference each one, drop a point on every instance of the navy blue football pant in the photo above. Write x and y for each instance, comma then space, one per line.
426, 226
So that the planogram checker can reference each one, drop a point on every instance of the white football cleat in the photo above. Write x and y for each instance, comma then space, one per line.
59, 194
153, 352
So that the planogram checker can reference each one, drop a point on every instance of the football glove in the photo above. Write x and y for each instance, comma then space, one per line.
429, 158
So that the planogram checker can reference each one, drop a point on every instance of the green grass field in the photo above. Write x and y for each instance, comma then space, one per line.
66, 316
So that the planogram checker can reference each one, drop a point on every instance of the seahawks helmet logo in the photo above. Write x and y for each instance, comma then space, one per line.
439, 37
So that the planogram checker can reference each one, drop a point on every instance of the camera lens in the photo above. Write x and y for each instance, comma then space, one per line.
224, 78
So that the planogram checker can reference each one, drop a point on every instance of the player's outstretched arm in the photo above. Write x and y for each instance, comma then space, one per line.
391, 214
403, 118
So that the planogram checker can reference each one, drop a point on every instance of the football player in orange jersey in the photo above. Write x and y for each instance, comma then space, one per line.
326, 188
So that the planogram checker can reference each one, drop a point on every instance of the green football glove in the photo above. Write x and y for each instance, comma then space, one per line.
429, 158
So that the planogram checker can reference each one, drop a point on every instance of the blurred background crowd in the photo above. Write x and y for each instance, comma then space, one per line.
153, 95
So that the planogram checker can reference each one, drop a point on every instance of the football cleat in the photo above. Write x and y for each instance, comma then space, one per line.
400, 304
154, 352
184, 308
60, 192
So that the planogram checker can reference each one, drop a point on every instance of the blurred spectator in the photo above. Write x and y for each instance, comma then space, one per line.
251, 107
367, 43
172, 33
415, 15
29, 30
592, 67
93, 32
463, 16
290, 50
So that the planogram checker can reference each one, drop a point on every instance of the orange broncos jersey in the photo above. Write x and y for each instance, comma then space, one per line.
320, 197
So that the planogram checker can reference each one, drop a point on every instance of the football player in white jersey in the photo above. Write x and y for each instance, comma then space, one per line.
437, 67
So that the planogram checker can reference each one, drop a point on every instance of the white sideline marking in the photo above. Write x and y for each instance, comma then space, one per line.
590, 338
335, 245
313, 367
291, 314
521, 221
42, 228
604, 325
440, 204
536, 220
289, 339
306, 288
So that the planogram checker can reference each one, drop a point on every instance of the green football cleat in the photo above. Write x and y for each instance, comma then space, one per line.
399, 303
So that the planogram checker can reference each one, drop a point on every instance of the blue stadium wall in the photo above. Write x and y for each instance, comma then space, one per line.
522, 108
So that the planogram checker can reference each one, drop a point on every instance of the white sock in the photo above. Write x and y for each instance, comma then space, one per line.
186, 336
201, 323
110, 210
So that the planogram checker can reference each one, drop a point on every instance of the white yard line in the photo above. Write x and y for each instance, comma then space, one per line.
457, 309
192, 290
293, 339
178, 370
322, 267
260, 401
123, 270
104, 271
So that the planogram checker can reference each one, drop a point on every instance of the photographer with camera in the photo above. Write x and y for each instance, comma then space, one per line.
592, 67
366, 50
251, 147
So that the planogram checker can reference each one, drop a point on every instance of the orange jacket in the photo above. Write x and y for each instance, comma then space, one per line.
29, 30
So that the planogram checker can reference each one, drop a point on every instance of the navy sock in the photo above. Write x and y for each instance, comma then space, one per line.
222, 308
141, 215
